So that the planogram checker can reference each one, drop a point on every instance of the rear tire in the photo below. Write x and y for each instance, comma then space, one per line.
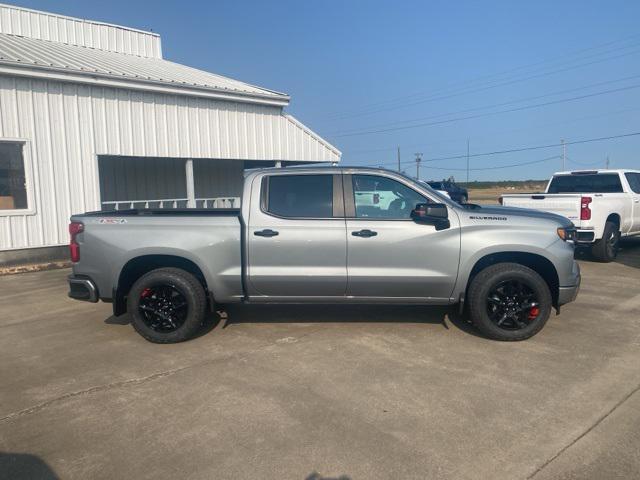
509, 302
606, 249
167, 305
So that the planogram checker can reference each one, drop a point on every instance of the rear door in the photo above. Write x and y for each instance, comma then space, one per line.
297, 238
390, 256
634, 185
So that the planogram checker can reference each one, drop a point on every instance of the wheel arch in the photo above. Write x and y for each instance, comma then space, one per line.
538, 263
136, 267
615, 218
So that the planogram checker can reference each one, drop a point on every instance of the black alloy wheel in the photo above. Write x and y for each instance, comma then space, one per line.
512, 305
163, 308
167, 305
612, 240
509, 301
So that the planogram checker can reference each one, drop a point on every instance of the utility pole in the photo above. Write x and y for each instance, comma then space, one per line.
607, 162
467, 163
399, 159
418, 160
564, 153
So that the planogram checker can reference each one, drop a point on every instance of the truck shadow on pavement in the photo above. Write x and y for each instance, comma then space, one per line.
19, 466
629, 253
327, 313
332, 313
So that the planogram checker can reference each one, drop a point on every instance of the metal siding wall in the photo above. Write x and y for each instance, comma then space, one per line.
67, 125
75, 31
132, 178
218, 178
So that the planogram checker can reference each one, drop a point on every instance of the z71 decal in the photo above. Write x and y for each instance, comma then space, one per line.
112, 221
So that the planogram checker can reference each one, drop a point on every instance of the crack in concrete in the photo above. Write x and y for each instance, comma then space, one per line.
87, 391
585, 433
135, 381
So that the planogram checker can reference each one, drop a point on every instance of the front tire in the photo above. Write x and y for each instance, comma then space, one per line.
167, 305
509, 302
606, 249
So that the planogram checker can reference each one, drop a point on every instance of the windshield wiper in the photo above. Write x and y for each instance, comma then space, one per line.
471, 206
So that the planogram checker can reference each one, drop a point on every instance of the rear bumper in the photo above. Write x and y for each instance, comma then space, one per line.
82, 288
585, 236
568, 294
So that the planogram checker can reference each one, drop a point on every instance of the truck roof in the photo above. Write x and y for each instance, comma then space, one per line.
304, 168
597, 171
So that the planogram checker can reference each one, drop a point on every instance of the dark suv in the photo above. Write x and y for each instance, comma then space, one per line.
457, 194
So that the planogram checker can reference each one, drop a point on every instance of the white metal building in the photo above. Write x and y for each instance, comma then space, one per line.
92, 116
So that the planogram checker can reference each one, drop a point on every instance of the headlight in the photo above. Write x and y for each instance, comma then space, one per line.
568, 234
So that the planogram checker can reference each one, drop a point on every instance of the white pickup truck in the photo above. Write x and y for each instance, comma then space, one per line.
604, 205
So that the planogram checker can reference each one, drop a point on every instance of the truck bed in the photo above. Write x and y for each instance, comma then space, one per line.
565, 204
209, 238
179, 212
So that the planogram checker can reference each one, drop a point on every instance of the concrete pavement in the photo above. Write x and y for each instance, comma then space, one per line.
321, 391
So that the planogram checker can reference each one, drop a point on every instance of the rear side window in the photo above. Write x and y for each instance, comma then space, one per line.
302, 196
634, 181
591, 183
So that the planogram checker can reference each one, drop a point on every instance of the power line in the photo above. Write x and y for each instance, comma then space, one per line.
502, 104
498, 74
471, 117
511, 130
503, 82
529, 148
498, 167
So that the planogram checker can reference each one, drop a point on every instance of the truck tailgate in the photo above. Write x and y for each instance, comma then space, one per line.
567, 205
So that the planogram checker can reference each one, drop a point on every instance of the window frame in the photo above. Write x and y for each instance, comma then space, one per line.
627, 176
350, 203
337, 196
28, 180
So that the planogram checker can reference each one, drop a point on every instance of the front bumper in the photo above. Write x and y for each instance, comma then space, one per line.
569, 294
82, 288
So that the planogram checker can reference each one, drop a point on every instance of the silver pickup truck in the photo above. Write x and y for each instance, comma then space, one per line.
326, 235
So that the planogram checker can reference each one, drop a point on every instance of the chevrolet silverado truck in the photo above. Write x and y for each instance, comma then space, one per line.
603, 204
306, 235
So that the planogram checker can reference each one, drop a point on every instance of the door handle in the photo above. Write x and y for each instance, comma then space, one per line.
364, 233
266, 233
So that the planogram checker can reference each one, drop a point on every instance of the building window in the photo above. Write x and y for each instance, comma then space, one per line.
13, 187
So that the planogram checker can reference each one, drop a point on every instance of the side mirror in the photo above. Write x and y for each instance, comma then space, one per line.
432, 214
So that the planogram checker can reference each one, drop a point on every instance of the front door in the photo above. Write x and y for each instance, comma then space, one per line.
297, 238
388, 254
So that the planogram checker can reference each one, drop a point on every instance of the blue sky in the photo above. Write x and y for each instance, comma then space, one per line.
449, 70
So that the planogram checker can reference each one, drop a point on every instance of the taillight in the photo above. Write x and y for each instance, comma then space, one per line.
585, 211
74, 248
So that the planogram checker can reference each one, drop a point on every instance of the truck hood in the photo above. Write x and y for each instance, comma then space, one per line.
518, 212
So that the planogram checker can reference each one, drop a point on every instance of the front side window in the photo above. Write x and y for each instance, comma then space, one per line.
634, 181
302, 196
586, 183
13, 188
384, 198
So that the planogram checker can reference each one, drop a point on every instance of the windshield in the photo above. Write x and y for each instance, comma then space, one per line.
590, 183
